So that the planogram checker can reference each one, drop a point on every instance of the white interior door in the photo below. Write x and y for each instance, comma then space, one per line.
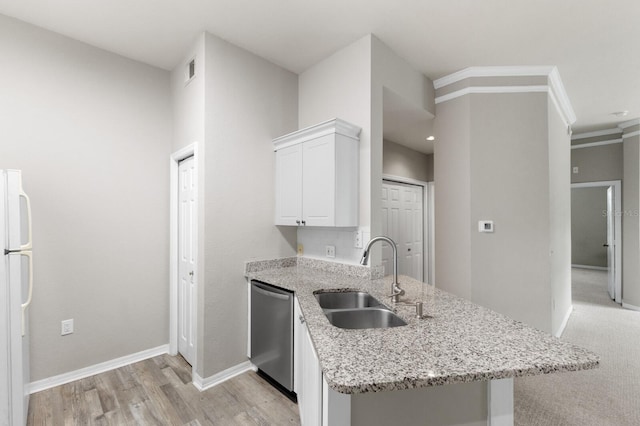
611, 246
187, 256
403, 222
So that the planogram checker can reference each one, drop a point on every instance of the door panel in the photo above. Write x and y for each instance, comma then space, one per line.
403, 222
289, 185
611, 246
318, 177
187, 267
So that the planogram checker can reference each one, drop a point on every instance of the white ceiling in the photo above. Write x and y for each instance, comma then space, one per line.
593, 43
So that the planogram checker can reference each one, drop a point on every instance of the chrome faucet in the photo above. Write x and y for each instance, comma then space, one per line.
395, 287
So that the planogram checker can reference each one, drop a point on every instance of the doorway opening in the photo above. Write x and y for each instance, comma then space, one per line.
596, 231
407, 218
183, 269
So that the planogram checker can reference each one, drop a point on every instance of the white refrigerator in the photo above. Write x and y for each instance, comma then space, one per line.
16, 287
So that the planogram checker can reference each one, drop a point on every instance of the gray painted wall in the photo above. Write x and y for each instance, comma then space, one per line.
340, 86
452, 167
597, 163
504, 157
559, 217
248, 102
630, 222
510, 185
398, 160
240, 103
589, 226
92, 133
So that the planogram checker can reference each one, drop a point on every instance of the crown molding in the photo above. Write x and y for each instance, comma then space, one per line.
490, 89
333, 126
596, 133
561, 95
555, 84
499, 71
600, 143
634, 122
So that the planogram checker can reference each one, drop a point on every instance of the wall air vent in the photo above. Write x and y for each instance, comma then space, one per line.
190, 71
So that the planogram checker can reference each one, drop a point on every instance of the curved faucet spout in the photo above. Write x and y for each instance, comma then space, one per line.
395, 287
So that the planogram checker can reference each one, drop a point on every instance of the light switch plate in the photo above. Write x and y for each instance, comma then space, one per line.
66, 327
485, 226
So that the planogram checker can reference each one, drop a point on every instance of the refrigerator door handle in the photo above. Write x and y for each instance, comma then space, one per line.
26, 304
28, 244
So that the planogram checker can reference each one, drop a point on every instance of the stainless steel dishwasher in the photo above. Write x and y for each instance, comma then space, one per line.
272, 333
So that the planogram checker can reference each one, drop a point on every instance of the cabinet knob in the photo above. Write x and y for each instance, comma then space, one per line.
298, 222
304, 222
301, 318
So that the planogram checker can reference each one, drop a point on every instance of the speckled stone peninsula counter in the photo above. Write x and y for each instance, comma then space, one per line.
460, 342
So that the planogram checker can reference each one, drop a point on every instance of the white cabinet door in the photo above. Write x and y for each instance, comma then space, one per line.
318, 181
317, 176
310, 395
298, 336
289, 185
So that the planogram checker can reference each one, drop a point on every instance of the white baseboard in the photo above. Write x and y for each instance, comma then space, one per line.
628, 306
564, 322
40, 385
211, 381
597, 268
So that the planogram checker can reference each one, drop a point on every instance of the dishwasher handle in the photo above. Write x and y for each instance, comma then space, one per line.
270, 291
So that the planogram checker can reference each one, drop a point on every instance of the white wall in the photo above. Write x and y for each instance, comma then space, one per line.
92, 133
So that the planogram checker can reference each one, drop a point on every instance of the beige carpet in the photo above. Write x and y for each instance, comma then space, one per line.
609, 395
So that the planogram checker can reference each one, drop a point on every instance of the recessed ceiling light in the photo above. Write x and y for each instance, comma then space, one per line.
431, 138
620, 113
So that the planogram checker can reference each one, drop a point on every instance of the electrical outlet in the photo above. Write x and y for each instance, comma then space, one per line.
357, 239
67, 327
330, 251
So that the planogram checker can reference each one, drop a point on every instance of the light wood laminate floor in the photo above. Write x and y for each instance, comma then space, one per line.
158, 391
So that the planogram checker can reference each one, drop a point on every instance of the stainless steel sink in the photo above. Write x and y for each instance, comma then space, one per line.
356, 309
346, 300
364, 318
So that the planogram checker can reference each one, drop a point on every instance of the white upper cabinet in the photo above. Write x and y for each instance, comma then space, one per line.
317, 175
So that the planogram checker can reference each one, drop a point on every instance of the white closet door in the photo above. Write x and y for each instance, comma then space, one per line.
403, 222
187, 237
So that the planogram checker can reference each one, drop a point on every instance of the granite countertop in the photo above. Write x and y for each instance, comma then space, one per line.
460, 342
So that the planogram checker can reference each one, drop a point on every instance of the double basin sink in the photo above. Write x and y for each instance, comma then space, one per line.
356, 310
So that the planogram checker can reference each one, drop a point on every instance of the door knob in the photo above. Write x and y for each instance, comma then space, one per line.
191, 274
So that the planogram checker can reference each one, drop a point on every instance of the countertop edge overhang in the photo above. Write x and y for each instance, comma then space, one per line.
462, 342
